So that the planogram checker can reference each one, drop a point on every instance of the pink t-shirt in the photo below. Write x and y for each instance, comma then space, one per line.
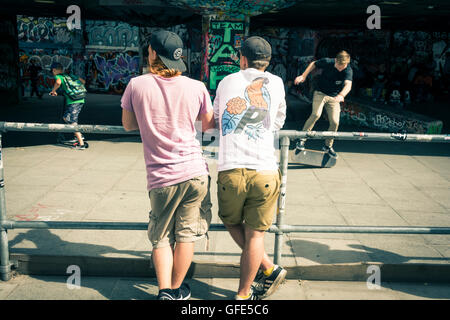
166, 110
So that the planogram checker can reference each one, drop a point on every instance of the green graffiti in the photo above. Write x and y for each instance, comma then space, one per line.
227, 27
435, 128
225, 52
223, 57
217, 73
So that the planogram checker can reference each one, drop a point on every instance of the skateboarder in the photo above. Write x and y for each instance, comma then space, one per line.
334, 84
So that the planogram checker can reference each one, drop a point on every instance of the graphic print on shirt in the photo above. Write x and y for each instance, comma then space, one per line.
250, 115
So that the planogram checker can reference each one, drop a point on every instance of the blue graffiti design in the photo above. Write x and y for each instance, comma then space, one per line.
120, 69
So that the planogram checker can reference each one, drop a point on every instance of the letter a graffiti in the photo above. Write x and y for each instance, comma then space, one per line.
74, 21
374, 21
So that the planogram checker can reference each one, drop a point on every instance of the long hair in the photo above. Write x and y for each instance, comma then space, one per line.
159, 68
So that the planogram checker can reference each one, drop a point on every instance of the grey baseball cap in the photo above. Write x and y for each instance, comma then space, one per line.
256, 48
169, 47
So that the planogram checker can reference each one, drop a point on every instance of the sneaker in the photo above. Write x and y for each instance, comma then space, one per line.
330, 151
166, 294
300, 146
183, 292
74, 140
77, 146
266, 285
252, 296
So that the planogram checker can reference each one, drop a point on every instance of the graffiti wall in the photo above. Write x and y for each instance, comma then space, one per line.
43, 30
221, 55
111, 34
111, 57
43, 59
43, 41
418, 47
402, 55
362, 114
110, 72
9, 76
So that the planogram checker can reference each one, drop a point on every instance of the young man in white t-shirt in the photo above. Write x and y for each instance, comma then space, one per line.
250, 107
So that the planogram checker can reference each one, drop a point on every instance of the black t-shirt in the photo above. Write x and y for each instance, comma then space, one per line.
331, 81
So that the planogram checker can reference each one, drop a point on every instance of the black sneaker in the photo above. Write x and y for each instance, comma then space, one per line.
183, 292
166, 294
252, 296
330, 151
266, 285
300, 146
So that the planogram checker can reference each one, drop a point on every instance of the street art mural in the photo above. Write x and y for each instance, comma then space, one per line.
43, 41
111, 34
105, 64
292, 51
110, 72
221, 56
43, 30
43, 58
362, 114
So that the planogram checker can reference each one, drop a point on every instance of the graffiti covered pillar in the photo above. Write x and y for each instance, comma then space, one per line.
221, 39
224, 26
9, 64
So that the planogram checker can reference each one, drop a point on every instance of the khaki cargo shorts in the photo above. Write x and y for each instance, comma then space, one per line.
248, 196
180, 213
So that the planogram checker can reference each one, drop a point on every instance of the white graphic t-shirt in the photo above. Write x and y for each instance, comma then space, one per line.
249, 107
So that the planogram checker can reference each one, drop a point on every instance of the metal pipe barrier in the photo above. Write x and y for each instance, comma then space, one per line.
279, 228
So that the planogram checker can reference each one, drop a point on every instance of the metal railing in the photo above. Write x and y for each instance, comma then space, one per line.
279, 228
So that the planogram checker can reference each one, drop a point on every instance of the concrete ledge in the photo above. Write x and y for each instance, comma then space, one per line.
139, 267
363, 112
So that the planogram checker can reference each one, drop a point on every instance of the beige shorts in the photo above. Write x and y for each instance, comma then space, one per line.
180, 213
248, 196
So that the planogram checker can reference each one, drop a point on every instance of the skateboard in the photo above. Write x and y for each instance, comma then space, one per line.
71, 143
314, 158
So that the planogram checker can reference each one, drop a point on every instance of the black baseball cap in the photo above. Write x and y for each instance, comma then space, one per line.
256, 48
169, 47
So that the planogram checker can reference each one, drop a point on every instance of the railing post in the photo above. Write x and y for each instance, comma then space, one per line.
284, 160
5, 265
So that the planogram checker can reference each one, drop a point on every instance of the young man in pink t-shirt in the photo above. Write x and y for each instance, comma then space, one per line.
164, 106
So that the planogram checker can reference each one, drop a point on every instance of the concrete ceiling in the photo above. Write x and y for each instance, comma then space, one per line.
402, 14
395, 14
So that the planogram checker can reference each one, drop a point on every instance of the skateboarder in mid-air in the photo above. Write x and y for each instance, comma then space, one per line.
334, 84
